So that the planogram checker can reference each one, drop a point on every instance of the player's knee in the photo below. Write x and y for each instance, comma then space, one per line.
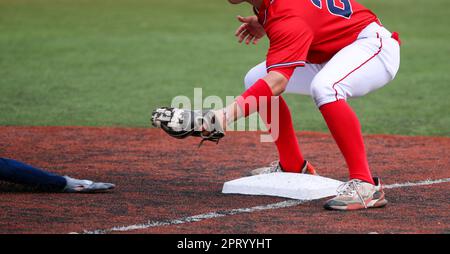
251, 78
256, 73
323, 90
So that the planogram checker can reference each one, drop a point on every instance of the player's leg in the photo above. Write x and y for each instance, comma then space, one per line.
18, 172
258, 97
364, 66
290, 156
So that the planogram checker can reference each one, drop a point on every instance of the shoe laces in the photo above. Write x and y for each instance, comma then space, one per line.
351, 188
213, 135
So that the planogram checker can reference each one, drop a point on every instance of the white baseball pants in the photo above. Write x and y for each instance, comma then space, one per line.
367, 64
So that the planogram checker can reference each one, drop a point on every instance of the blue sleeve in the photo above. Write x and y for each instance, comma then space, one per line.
21, 173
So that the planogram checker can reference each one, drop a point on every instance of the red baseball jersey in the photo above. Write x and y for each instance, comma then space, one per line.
311, 31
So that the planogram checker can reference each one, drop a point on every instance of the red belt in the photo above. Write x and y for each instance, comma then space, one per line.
396, 37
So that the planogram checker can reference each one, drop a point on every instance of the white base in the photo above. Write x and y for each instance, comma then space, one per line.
287, 185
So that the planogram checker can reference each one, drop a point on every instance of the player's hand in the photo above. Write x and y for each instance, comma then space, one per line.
85, 186
250, 30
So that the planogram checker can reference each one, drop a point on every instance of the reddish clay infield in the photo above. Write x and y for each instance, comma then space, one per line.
160, 179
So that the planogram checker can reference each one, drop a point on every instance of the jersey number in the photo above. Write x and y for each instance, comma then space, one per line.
345, 11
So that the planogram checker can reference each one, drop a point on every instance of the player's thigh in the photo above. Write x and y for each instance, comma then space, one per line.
355, 71
300, 82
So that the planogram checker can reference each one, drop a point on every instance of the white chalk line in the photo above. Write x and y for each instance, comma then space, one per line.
196, 218
218, 214
413, 184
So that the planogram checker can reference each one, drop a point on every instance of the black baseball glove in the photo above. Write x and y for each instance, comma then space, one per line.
182, 123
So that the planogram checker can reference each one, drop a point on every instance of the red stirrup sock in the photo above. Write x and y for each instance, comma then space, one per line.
291, 158
346, 130
250, 100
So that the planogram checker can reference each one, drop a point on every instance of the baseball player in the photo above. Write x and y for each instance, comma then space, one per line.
20, 173
330, 50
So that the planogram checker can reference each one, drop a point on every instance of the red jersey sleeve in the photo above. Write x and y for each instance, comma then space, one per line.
290, 40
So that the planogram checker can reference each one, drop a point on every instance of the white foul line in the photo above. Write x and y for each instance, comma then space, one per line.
211, 215
421, 183
200, 217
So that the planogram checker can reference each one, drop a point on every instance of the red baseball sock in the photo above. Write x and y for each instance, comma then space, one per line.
289, 152
346, 130
291, 158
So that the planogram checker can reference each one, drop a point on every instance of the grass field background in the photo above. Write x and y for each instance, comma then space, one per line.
109, 62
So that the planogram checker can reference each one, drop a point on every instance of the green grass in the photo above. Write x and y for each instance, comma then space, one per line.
109, 62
